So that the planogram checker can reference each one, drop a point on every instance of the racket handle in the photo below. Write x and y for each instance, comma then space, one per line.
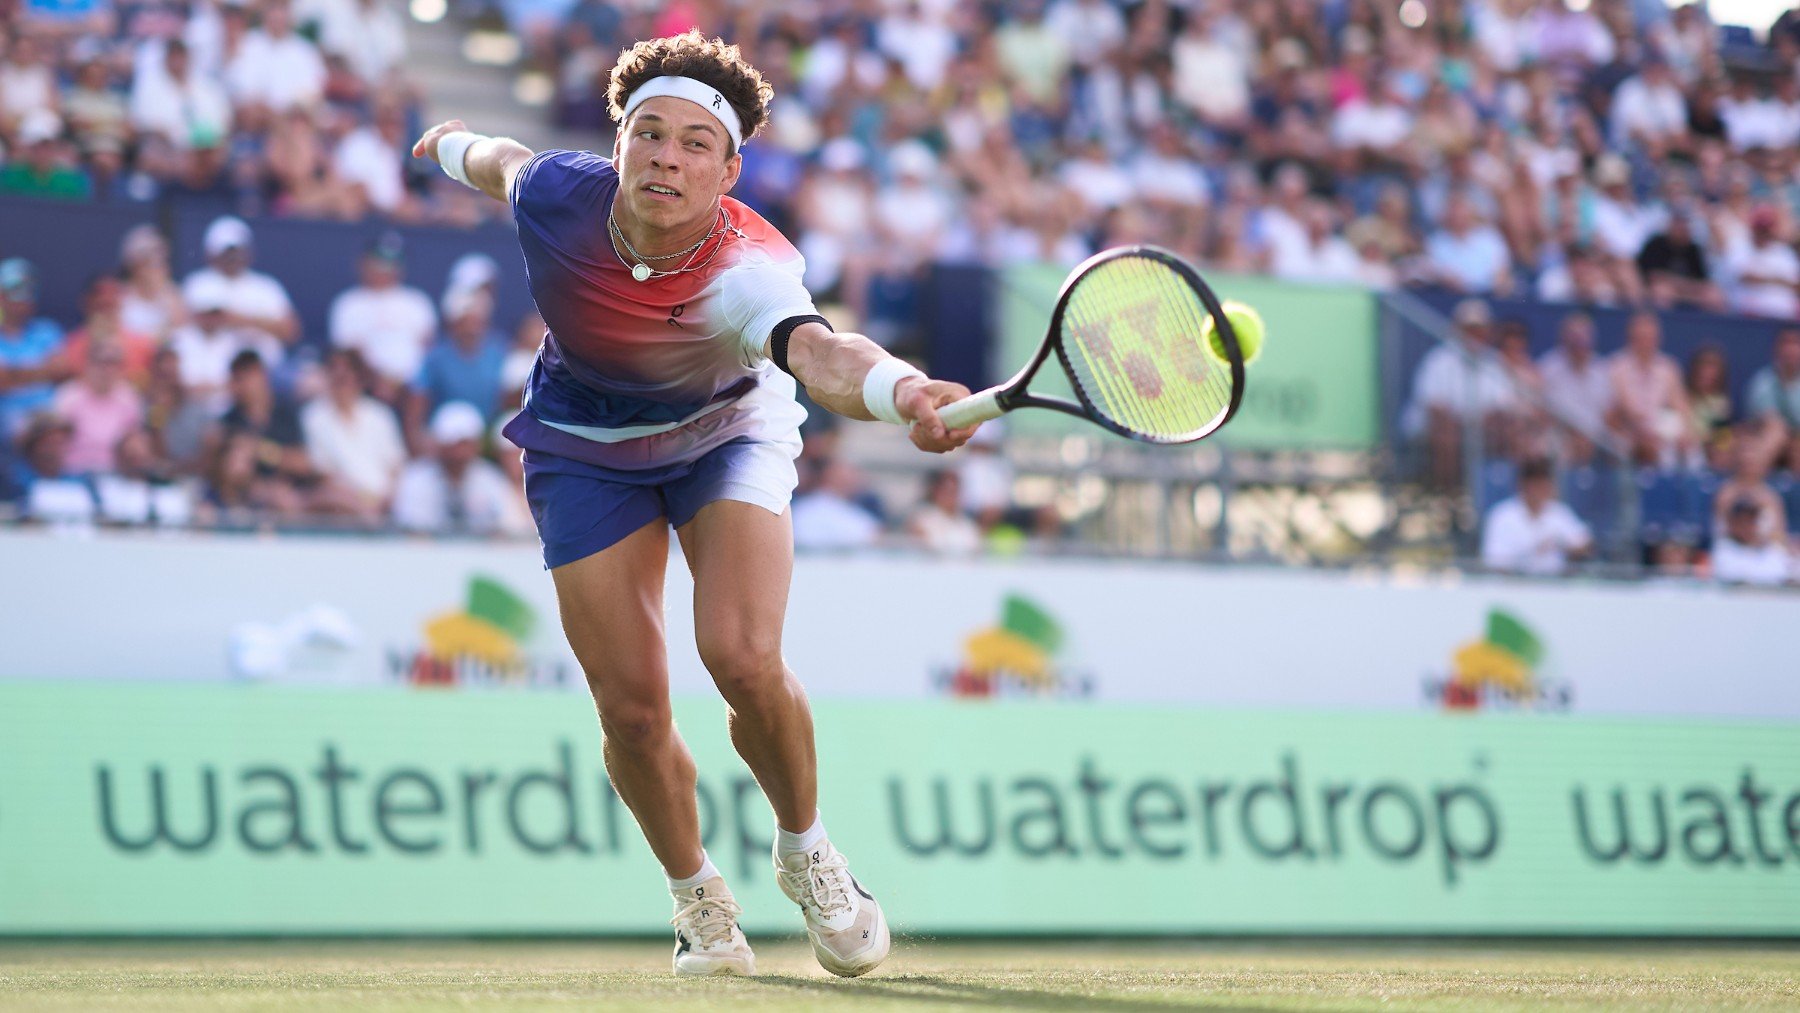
978, 407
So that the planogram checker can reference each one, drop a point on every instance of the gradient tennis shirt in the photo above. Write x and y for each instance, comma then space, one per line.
638, 375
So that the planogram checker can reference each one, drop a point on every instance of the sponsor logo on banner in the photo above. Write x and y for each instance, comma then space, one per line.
1503, 669
1023, 655
487, 642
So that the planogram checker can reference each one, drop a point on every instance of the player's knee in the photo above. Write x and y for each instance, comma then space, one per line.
632, 725
745, 665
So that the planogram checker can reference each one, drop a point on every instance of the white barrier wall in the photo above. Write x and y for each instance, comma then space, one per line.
368, 611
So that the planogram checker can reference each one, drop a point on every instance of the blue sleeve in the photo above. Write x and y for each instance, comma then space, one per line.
561, 199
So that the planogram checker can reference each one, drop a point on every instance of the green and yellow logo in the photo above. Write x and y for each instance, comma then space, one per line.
1503, 669
1021, 656
486, 642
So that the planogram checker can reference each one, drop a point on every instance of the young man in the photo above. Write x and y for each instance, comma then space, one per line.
662, 397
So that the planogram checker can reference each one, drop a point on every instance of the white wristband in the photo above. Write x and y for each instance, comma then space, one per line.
879, 387
452, 150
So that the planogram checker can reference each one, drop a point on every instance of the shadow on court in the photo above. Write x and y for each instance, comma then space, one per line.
933, 989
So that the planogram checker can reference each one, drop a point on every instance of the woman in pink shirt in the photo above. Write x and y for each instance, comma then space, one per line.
102, 407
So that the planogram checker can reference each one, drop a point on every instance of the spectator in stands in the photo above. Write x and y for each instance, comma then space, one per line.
32, 354
1708, 382
354, 439
206, 346
1650, 408
1772, 404
370, 161
99, 120
177, 422
455, 490
829, 516
1749, 483
180, 113
1745, 553
389, 323
939, 523
1649, 111
1766, 269
140, 489
370, 35
254, 304
1458, 383
151, 303
465, 364
101, 407
1577, 388
277, 68
1323, 257
52, 491
257, 460
1673, 268
1533, 532
43, 167
1622, 225
102, 326
1466, 254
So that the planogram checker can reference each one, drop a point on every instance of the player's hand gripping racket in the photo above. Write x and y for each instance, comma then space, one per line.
1130, 329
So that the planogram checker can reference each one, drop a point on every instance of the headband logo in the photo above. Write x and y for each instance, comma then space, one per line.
717, 99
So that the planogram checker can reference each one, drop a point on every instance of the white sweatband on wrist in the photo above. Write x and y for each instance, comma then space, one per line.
452, 150
879, 387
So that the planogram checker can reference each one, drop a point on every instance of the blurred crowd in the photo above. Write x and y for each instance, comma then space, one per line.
201, 401
1612, 152
1734, 460
285, 107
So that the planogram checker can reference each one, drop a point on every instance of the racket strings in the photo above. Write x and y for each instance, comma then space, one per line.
1133, 339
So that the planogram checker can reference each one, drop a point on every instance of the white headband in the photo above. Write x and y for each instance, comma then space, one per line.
698, 92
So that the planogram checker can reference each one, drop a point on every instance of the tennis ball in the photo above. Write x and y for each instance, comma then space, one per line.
1246, 323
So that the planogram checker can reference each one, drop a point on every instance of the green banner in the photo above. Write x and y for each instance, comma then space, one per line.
221, 809
1313, 388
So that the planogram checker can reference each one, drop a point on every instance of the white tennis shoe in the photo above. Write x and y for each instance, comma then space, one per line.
707, 938
849, 934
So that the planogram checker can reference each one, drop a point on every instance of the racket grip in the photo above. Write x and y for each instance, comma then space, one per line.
978, 407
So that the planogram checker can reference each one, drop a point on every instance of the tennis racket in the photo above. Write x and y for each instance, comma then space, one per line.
1130, 331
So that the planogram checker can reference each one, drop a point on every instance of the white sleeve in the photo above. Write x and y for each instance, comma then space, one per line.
415, 508
1574, 533
1501, 546
755, 296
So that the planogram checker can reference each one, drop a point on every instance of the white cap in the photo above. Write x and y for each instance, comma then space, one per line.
39, 125
207, 292
456, 421
224, 233
841, 155
472, 270
912, 158
466, 299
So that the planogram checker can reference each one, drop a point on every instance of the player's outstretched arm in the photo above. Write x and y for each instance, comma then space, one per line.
853, 376
489, 163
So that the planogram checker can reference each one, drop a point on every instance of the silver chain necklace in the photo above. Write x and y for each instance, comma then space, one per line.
642, 271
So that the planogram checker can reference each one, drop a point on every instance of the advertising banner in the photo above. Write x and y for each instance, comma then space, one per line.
1313, 387
151, 808
375, 612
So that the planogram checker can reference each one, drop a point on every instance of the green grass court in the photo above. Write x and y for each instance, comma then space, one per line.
922, 975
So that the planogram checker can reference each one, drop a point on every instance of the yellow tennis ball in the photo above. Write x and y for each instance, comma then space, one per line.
1246, 324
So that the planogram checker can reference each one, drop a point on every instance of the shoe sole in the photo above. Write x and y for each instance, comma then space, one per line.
857, 970
716, 971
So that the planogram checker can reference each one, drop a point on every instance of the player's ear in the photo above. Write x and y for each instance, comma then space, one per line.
734, 167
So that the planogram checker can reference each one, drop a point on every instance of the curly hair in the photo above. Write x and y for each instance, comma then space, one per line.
691, 54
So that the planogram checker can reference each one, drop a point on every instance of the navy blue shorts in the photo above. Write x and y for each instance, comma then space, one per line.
583, 508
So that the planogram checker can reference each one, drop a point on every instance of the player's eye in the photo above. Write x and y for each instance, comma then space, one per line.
647, 134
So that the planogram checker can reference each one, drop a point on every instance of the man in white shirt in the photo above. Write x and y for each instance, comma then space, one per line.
1467, 254
1458, 382
1375, 130
205, 346
1326, 257
369, 34
828, 517
1649, 110
370, 157
276, 70
352, 438
391, 324
456, 490
173, 100
1533, 532
1746, 554
1766, 269
254, 302
1578, 388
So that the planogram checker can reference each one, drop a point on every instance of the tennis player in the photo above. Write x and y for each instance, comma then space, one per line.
663, 395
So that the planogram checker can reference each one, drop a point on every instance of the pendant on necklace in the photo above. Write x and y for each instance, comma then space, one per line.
640, 272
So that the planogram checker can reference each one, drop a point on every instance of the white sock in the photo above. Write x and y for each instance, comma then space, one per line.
793, 844
706, 872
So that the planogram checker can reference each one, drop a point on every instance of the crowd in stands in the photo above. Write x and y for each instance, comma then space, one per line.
200, 401
284, 107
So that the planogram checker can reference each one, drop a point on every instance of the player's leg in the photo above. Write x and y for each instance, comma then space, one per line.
608, 547
741, 554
